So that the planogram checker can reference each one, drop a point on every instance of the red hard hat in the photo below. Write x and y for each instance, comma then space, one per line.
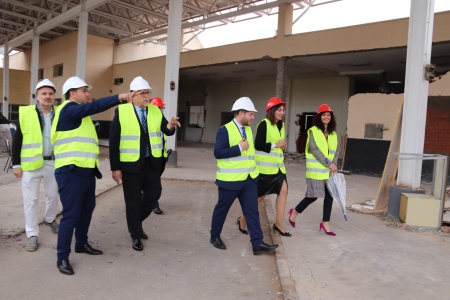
274, 101
157, 102
324, 108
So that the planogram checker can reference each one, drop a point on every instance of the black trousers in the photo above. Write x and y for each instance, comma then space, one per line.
141, 191
327, 205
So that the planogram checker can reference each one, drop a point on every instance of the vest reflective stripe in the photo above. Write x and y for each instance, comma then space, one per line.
78, 146
240, 167
315, 169
76, 154
76, 139
32, 148
239, 158
130, 134
270, 163
222, 170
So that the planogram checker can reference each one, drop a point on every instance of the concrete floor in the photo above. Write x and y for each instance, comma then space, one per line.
372, 257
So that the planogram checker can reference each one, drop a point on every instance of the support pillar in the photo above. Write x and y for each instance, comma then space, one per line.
416, 90
281, 90
172, 70
34, 67
285, 17
5, 106
82, 44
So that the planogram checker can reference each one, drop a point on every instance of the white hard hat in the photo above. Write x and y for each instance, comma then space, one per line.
243, 103
138, 84
44, 83
74, 83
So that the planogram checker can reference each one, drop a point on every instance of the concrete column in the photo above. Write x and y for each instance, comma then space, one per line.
281, 89
416, 90
282, 78
172, 70
285, 17
5, 106
34, 67
82, 44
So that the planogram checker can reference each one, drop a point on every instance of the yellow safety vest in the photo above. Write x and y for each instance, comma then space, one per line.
238, 168
270, 163
130, 133
31, 151
314, 169
78, 146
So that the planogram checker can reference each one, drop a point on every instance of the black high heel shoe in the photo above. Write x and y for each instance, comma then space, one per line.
244, 231
282, 233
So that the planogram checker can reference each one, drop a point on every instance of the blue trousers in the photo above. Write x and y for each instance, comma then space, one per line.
77, 194
248, 198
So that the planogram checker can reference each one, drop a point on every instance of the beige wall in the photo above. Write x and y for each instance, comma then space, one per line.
62, 50
372, 108
306, 95
441, 87
99, 71
151, 69
138, 50
19, 82
20, 61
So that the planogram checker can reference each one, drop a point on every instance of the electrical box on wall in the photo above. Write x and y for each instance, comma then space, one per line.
118, 81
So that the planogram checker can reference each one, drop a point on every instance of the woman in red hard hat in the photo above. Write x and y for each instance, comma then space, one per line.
269, 146
321, 160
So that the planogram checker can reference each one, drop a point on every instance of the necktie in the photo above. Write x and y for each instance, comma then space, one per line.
144, 124
143, 119
243, 132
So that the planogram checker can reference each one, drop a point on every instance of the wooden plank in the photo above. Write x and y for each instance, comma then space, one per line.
391, 165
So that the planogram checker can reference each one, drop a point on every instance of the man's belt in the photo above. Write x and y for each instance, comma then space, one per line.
51, 157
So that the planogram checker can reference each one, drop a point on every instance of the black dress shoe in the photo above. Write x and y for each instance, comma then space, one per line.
217, 242
144, 235
86, 248
157, 211
238, 222
264, 248
64, 266
137, 245
286, 233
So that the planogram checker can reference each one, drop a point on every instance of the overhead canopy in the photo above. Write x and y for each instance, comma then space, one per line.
123, 20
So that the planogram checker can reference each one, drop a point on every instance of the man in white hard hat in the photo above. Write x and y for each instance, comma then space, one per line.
136, 156
76, 165
237, 176
33, 161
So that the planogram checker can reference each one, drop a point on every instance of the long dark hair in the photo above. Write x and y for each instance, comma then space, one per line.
270, 115
317, 121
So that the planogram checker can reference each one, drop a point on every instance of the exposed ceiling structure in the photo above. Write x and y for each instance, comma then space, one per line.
379, 70
130, 20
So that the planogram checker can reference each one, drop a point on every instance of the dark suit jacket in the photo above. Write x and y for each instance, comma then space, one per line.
134, 167
223, 149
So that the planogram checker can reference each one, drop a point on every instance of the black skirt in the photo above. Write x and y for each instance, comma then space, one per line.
270, 184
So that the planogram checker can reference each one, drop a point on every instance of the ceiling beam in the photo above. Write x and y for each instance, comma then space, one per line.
209, 19
140, 9
28, 27
58, 20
